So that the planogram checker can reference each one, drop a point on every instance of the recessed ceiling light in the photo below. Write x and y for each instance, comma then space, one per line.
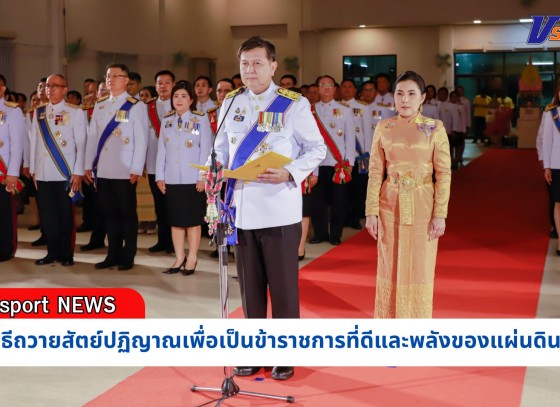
477, 21
362, 26
525, 20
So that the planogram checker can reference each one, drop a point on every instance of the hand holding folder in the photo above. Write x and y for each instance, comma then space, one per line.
251, 170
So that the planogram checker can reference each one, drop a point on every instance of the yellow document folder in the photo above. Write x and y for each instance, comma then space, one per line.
252, 169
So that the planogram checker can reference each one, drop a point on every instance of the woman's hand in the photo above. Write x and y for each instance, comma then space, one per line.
161, 186
371, 225
436, 228
200, 186
548, 176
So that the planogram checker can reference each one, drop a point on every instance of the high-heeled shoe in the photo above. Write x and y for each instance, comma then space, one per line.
175, 270
187, 272
300, 258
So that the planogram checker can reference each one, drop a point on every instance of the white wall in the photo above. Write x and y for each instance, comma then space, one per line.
155, 29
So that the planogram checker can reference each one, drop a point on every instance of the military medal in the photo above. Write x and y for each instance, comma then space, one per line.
357, 112
168, 124
58, 134
62, 142
2, 117
340, 132
337, 113
233, 140
51, 116
263, 148
117, 132
193, 127
71, 194
189, 143
376, 114
121, 116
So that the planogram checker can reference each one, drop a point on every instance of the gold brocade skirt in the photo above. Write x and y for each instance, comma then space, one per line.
144, 201
406, 257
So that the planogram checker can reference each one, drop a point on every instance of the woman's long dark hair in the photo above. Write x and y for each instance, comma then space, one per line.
411, 76
186, 85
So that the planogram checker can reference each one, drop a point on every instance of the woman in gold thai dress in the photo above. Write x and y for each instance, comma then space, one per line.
405, 209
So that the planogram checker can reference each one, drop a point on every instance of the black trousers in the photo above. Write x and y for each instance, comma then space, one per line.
479, 125
268, 258
118, 200
164, 229
8, 223
326, 193
551, 204
57, 218
357, 194
87, 204
95, 209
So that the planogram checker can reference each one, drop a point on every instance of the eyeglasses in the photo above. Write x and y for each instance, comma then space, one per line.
326, 85
115, 76
54, 86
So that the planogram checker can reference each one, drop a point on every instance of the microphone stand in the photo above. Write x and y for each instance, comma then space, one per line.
229, 388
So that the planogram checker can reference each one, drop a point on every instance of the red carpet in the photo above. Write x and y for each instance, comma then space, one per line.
490, 265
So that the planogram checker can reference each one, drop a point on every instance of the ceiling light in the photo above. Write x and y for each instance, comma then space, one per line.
362, 26
477, 21
525, 20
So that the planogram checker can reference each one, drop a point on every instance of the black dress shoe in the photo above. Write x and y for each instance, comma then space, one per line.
335, 241
282, 372
175, 270
158, 247
40, 242
45, 260
67, 263
34, 227
6, 257
105, 264
83, 228
92, 246
187, 272
356, 225
317, 240
246, 370
125, 266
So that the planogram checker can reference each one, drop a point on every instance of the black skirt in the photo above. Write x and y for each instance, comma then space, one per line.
307, 202
555, 187
186, 206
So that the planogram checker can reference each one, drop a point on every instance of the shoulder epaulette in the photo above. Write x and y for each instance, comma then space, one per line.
73, 106
216, 103
170, 113
549, 107
213, 109
102, 99
362, 102
343, 103
11, 104
235, 92
198, 113
152, 100
30, 109
85, 107
287, 93
42, 105
132, 100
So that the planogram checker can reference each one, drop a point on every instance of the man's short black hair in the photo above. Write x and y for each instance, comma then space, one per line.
135, 76
165, 72
122, 67
75, 93
290, 76
3, 79
258, 42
